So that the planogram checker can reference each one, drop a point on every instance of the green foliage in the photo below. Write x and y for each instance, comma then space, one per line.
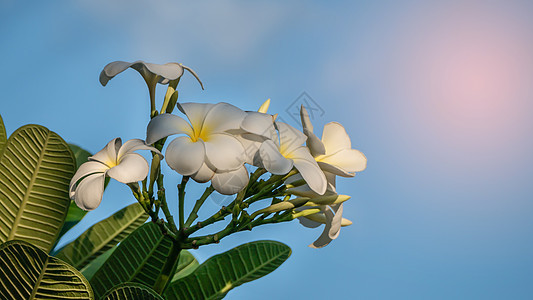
36, 166
139, 258
102, 236
219, 274
132, 291
27, 272
3, 134
90, 269
187, 263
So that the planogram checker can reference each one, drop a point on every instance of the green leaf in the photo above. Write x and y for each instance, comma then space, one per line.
80, 154
187, 263
36, 166
27, 272
103, 235
139, 258
3, 134
219, 274
132, 291
90, 269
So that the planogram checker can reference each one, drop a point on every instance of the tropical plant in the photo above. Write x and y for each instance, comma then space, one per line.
47, 186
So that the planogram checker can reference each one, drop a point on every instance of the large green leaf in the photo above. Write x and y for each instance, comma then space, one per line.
219, 274
36, 166
187, 263
75, 214
90, 269
139, 258
27, 272
103, 235
132, 291
3, 134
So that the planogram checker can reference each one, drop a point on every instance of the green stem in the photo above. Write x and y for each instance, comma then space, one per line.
181, 200
194, 213
168, 268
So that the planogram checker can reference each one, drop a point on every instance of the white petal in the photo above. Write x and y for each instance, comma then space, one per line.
134, 145
224, 152
290, 138
185, 156
229, 183
89, 192
335, 138
336, 221
324, 239
131, 168
164, 125
343, 163
195, 112
222, 117
308, 223
168, 71
307, 166
112, 69
204, 174
85, 169
306, 121
251, 144
258, 123
108, 155
315, 145
272, 160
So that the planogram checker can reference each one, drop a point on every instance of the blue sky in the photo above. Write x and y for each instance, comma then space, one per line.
437, 94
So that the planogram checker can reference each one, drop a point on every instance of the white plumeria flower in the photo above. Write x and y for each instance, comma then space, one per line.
335, 157
285, 151
117, 161
151, 73
334, 152
206, 150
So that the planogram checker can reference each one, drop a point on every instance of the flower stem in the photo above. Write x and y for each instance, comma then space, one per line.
194, 213
181, 200
168, 268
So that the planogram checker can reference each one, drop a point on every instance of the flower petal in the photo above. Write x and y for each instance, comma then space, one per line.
222, 117
251, 144
112, 69
258, 123
108, 155
185, 156
290, 138
307, 166
335, 138
308, 223
324, 239
131, 168
229, 183
335, 229
315, 145
134, 145
90, 191
343, 163
164, 125
168, 71
204, 174
224, 152
195, 112
272, 160
85, 169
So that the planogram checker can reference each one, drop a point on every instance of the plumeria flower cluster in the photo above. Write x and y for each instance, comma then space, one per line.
214, 143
